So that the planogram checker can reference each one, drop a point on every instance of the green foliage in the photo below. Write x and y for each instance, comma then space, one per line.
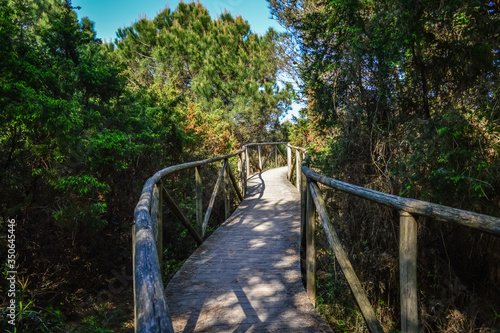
216, 74
103, 321
403, 98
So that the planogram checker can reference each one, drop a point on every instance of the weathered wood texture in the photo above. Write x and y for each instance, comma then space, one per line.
199, 200
245, 277
181, 217
408, 272
235, 183
343, 260
439, 212
212, 199
310, 231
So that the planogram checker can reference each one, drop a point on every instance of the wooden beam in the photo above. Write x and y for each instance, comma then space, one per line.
298, 173
199, 200
157, 223
181, 217
303, 220
151, 311
212, 200
343, 260
260, 157
234, 182
311, 248
292, 170
227, 194
408, 272
417, 207
275, 156
247, 160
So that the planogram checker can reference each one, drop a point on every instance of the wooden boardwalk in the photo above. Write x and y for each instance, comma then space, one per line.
246, 276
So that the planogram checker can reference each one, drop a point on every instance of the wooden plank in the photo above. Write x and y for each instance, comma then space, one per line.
181, 217
199, 200
145, 292
299, 148
439, 212
343, 260
212, 200
245, 277
408, 272
311, 248
240, 172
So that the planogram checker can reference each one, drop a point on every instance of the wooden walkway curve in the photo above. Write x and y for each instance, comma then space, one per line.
246, 276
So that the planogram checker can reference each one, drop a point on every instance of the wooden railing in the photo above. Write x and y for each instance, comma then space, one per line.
150, 308
313, 205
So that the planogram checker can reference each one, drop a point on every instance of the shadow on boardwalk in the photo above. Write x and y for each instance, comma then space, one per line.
246, 276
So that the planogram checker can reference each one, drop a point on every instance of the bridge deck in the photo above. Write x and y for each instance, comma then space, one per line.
246, 276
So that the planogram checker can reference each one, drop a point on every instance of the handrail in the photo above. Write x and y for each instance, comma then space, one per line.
482, 222
312, 204
150, 308
151, 313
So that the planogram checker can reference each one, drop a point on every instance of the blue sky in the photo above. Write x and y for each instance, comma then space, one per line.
109, 15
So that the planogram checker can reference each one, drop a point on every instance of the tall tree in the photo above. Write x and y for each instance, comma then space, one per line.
218, 75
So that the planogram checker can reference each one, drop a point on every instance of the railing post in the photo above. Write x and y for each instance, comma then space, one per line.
240, 176
244, 174
298, 172
289, 160
260, 157
227, 199
199, 200
311, 247
276, 156
303, 210
408, 272
212, 199
247, 160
